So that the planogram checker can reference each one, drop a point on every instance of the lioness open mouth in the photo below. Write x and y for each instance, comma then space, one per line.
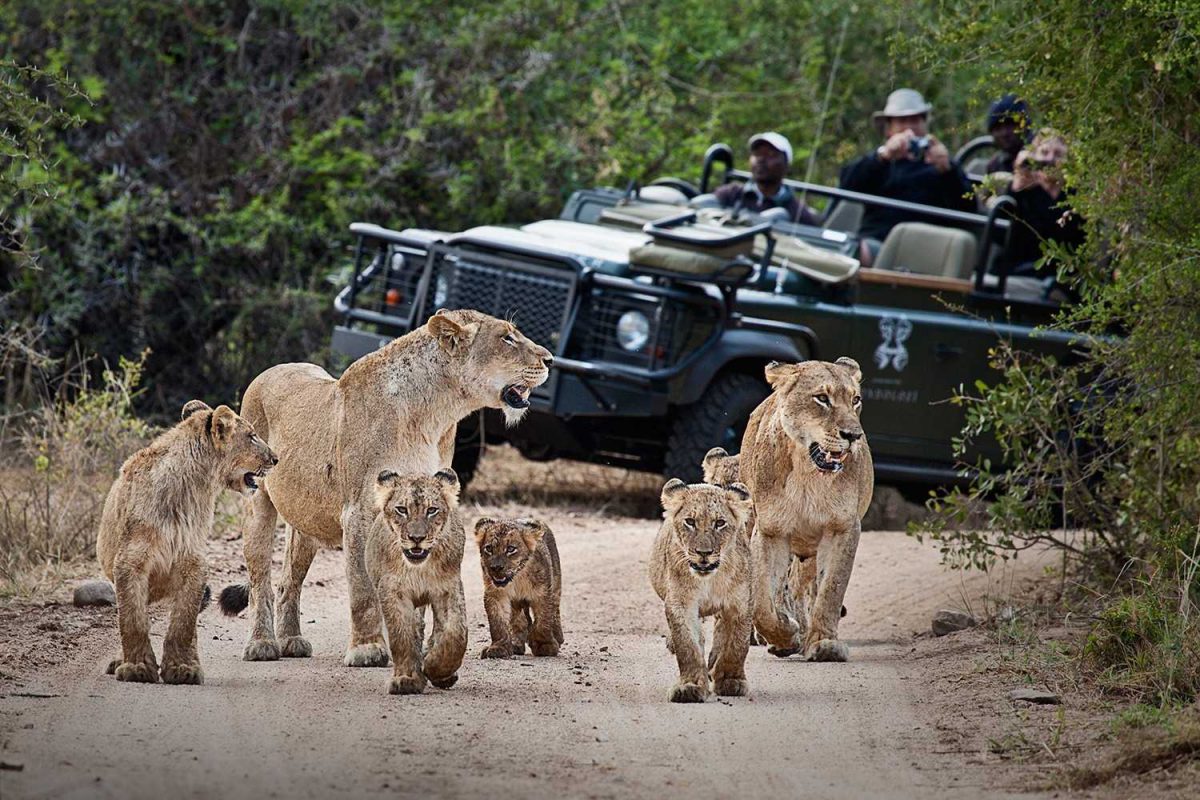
416, 554
505, 581
704, 569
250, 479
827, 461
516, 395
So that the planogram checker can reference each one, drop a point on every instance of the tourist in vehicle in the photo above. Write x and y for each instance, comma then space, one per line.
910, 165
1043, 211
1009, 124
770, 157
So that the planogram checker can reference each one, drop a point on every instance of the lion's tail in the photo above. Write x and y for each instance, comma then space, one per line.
234, 599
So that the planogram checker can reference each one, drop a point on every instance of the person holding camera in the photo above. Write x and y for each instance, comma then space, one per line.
910, 165
1042, 212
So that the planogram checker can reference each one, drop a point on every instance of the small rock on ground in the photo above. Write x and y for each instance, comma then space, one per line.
1039, 696
95, 593
946, 621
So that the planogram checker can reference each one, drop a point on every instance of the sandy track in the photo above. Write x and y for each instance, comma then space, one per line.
592, 722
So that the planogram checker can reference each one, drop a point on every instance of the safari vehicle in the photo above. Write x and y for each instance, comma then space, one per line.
662, 311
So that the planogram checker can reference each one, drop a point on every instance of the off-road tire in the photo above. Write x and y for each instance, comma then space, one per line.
726, 404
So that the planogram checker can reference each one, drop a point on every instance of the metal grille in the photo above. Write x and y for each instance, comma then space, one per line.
535, 302
601, 317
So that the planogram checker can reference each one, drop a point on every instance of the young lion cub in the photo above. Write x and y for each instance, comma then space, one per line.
414, 559
700, 567
155, 523
521, 574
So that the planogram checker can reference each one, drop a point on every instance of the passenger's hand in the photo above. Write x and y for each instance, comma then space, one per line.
937, 155
1023, 176
896, 147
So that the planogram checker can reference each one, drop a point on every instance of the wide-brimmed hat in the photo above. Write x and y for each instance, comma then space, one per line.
903, 103
776, 140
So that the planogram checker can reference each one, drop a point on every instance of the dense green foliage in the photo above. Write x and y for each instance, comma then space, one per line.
226, 146
1122, 456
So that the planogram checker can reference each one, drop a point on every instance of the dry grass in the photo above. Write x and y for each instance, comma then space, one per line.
1164, 746
505, 477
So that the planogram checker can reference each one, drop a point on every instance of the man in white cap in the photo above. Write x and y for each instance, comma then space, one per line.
770, 155
910, 165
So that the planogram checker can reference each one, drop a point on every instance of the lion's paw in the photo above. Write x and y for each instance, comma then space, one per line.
137, 672
261, 650
182, 673
112, 666
688, 693
295, 647
518, 648
829, 650
544, 648
732, 687
445, 683
496, 651
782, 652
371, 654
406, 684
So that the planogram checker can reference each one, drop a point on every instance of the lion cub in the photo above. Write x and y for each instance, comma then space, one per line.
154, 527
700, 567
522, 586
414, 558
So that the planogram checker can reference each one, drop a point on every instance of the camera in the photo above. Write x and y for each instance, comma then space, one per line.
917, 147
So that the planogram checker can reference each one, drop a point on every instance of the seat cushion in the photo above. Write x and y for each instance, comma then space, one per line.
928, 250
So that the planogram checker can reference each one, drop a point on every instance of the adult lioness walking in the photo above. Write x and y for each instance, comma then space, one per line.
396, 408
806, 462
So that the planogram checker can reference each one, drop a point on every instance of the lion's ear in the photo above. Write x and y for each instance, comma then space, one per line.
448, 332
481, 526
384, 483
670, 492
852, 365
532, 532
739, 492
221, 424
777, 372
193, 407
449, 480
715, 454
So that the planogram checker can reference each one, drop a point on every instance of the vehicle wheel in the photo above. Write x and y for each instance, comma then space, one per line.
468, 447
717, 419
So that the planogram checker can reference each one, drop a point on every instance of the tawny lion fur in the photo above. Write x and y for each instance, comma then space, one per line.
414, 559
395, 408
154, 527
700, 566
802, 510
522, 586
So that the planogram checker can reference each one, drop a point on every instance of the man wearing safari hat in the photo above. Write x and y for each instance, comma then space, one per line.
911, 165
770, 155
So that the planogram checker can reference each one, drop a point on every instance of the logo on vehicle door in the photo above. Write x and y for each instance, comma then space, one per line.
891, 351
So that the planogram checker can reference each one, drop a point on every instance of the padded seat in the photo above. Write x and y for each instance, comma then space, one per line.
845, 216
928, 250
663, 194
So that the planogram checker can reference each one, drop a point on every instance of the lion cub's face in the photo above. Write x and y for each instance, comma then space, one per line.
820, 404
506, 545
507, 365
704, 519
246, 456
416, 509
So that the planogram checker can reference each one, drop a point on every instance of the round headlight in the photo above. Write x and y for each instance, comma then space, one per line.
441, 290
633, 331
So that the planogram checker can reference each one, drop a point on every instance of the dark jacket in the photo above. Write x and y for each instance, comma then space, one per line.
1036, 220
902, 179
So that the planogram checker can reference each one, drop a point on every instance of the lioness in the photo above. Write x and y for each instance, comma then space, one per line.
807, 464
154, 527
414, 559
700, 566
395, 408
521, 574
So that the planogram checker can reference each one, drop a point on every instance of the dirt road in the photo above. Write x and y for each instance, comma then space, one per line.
593, 722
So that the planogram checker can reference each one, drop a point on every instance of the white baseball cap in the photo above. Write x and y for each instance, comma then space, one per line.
776, 140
